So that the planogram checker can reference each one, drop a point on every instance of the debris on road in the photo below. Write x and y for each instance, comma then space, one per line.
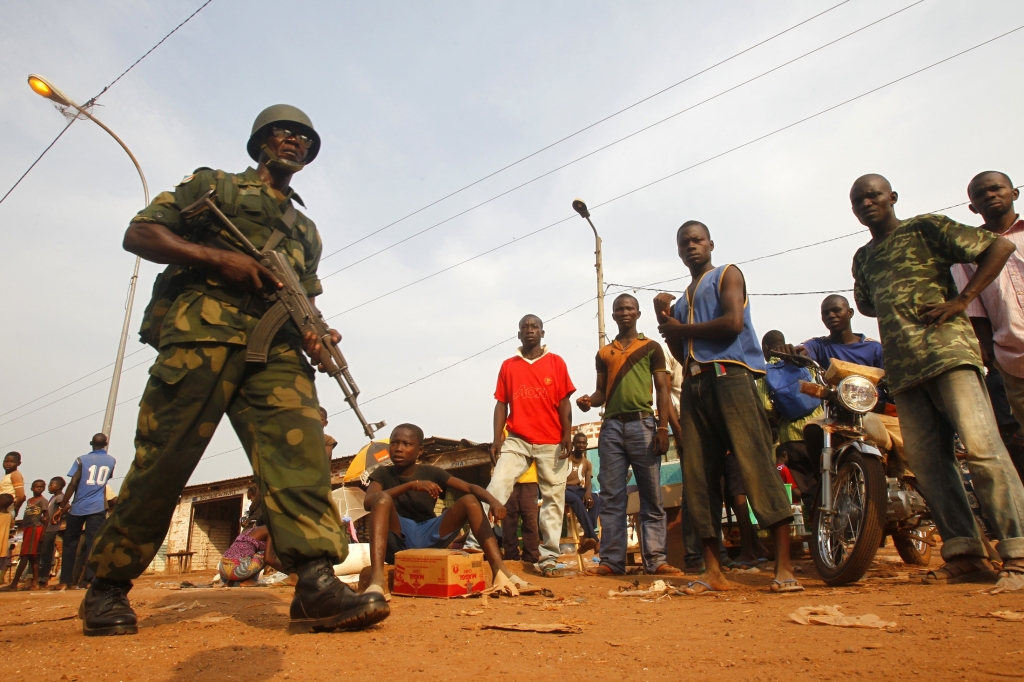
544, 628
833, 615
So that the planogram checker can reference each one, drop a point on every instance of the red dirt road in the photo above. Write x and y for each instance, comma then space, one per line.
941, 633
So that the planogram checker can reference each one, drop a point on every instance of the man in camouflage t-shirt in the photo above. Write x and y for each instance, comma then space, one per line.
206, 307
934, 369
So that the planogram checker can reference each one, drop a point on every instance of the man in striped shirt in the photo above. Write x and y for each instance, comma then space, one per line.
997, 314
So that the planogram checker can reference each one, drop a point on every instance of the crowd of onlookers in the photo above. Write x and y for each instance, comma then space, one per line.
949, 299
55, 533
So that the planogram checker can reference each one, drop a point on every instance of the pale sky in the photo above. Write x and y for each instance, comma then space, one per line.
416, 100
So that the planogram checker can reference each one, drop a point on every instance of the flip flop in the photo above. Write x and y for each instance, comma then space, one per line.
666, 569
791, 585
519, 582
551, 571
707, 588
504, 585
1011, 569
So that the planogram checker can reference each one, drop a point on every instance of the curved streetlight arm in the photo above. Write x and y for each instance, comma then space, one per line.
46, 89
580, 207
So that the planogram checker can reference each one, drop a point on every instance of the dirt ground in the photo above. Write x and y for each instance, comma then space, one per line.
220, 634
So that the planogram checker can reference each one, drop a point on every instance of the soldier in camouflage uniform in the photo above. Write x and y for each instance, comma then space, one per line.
934, 370
204, 309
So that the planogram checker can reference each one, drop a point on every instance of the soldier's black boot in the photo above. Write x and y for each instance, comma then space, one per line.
322, 602
105, 609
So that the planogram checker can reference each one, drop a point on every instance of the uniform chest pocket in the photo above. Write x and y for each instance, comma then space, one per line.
251, 204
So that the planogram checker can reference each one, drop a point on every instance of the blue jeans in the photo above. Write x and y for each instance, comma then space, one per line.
623, 445
587, 517
930, 413
72, 533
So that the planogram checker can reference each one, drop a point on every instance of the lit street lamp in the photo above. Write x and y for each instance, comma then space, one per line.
581, 207
44, 88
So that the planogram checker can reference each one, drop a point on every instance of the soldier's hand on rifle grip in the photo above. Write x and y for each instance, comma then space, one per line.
311, 344
242, 271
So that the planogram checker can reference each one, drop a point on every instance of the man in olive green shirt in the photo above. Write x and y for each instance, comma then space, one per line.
627, 370
204, 310
933, 363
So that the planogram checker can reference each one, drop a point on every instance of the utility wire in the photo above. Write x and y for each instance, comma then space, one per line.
92, 100
70, 383
101, 381
615, 142
586, 128
427, 376
683, 170
65, 424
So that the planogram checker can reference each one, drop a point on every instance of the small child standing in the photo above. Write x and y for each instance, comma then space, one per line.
35, 521
6, 502
782, 464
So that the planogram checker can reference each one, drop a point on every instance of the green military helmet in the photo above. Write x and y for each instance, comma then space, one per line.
283, 114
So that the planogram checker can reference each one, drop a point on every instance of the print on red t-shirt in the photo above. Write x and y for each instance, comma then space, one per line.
532, 392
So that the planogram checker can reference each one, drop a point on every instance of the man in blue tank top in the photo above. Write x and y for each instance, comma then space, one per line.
710, 332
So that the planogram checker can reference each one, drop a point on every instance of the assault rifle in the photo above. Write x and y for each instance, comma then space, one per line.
290, 301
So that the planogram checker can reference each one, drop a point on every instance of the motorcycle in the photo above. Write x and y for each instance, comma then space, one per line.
864, 492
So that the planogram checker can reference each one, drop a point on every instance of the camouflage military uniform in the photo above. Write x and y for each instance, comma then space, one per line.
934, 374
907, 270
201, 373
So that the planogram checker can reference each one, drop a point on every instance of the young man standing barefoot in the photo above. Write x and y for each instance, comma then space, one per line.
710, 332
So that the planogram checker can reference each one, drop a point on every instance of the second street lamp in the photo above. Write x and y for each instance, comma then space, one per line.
580, 207
44, 88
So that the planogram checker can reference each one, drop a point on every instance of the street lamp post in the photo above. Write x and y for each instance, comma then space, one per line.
44, 88
581, 207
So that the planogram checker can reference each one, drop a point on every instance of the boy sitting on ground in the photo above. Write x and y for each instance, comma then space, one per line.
401, 499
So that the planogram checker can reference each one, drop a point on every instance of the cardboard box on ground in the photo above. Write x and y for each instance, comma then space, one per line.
440, 573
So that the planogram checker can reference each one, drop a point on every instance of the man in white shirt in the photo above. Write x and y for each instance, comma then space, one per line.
997, 314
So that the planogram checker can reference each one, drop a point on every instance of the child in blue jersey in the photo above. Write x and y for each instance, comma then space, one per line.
86, 500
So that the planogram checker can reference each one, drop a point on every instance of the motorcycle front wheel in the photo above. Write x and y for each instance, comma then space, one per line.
845, 541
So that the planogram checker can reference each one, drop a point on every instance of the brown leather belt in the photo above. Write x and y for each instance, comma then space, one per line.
631, 416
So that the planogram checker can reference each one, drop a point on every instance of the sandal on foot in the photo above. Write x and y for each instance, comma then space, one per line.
707, 588
588, 545
551, 571
952, 573
666, 569
604, 569
1009, 569
791, 585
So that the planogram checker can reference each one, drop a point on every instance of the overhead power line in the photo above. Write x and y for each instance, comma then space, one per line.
619, 140
85, 388
683, 170
73, 421
588, 127
93, 99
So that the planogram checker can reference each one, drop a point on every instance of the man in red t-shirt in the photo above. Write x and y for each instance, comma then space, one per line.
533, 404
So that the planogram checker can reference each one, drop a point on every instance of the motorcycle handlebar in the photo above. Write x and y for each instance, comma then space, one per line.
802, 360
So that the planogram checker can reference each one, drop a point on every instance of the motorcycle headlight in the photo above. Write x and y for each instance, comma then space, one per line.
857, 394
